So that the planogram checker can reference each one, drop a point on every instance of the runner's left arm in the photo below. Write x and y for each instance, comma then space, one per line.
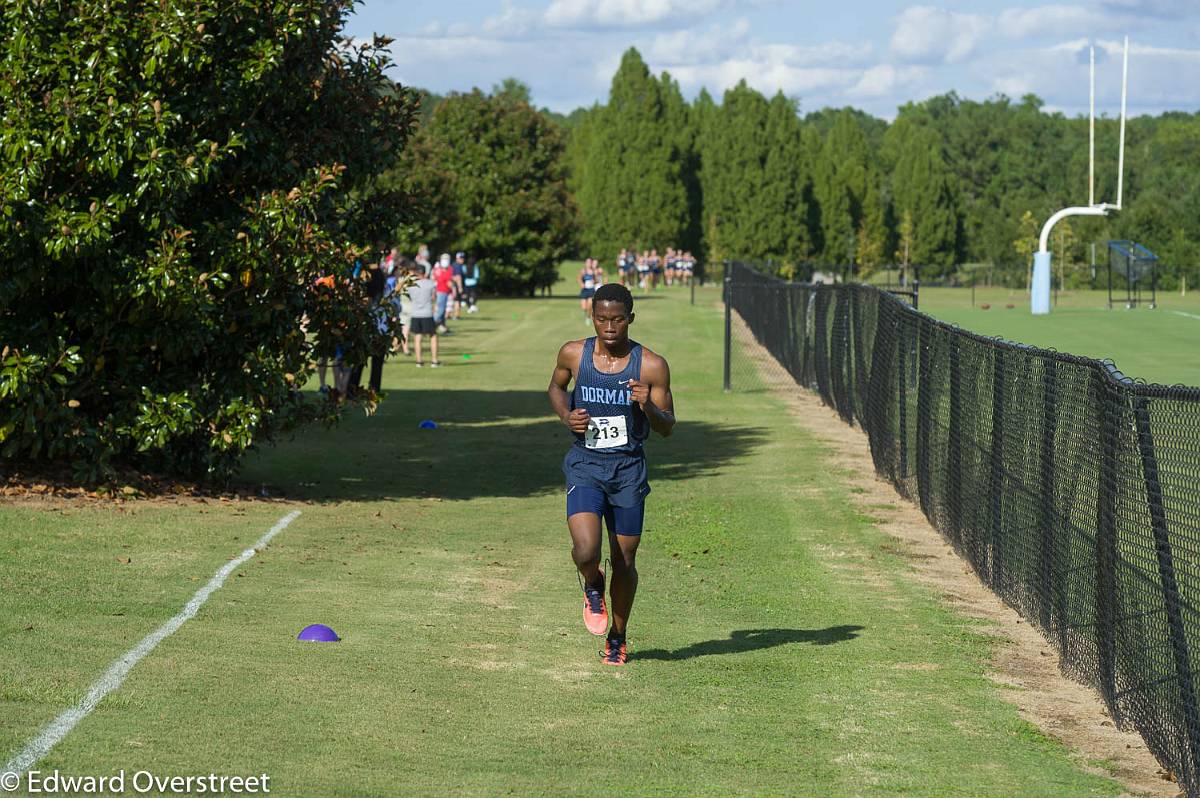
653, 393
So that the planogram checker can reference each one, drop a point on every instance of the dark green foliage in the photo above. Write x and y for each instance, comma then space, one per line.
488, 174
923, 186
755, 178
173, 178
636, 190
840, 184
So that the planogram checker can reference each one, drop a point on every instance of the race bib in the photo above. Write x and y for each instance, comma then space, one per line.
605, 432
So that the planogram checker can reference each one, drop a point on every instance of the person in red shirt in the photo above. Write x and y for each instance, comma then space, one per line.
443, 278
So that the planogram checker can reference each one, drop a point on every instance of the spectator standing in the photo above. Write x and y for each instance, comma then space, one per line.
443, 278
471, 284
376, 282
460, 273
421, 304
422, 260
393, 292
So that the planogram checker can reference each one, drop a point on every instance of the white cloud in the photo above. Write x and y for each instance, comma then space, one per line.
691, 46
1165, 9
884, 80
1022, 23
1058, 73
925, 34
766, 76
626, 13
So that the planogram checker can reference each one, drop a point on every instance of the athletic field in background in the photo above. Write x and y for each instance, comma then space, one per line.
760, 664
1160, 345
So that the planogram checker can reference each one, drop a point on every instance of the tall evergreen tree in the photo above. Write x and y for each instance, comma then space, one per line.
922, 185
636, 191
871, 249
841, 180
784, 181
734, 160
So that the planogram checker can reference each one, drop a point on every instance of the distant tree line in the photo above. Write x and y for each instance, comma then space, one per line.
949, 184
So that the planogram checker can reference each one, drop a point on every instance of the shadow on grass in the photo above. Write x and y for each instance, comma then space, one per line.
752, 640
487, 444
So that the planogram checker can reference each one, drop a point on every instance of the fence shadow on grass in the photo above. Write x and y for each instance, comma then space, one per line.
487, 444
745, 640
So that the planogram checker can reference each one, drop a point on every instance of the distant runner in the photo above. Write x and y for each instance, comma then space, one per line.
622, 391
587, 288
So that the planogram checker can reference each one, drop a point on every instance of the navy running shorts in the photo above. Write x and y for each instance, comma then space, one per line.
619, 520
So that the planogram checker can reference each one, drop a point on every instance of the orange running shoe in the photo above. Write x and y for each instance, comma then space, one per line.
595, 614
615, 651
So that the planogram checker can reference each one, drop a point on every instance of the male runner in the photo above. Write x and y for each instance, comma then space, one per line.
621, 266
587, 288
622, 391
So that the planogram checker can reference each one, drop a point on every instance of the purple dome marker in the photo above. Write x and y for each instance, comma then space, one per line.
428, 424
318, 633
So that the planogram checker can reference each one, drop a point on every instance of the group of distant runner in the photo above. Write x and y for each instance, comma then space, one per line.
646, 270
417, 295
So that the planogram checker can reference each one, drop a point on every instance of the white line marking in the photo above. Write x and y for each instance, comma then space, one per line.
53, 734
1189, 315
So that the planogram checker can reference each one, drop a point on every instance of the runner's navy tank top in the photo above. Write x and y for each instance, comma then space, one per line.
607, 396
589, 279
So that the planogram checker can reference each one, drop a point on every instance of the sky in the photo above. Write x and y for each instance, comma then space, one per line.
871, 54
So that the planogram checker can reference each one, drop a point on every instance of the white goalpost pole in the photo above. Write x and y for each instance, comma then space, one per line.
1092, 131
1121, 152
1039, 294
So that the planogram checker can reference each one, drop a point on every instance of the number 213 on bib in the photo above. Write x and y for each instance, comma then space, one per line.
606, 432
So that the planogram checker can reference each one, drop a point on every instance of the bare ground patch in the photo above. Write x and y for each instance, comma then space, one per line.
1023, 661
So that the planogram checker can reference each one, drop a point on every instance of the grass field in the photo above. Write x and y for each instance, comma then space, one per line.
1158, 345
441, 557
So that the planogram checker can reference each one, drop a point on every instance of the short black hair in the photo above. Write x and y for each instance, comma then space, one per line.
614, 292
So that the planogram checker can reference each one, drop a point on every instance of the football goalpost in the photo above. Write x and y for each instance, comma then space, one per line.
1039, 298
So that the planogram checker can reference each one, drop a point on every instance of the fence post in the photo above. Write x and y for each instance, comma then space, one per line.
839, 359
1166, 571
902, 410
996, 475
876, 397
1046, 522
924, 409
916, 294
1106, 545
728, 284
954, 446
821, 343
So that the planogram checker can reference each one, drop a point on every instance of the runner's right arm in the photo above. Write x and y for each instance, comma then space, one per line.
560, 400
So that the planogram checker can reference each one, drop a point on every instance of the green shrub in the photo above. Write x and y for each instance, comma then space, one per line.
173, 179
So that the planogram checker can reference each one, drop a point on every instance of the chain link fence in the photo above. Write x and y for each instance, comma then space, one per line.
1073, 491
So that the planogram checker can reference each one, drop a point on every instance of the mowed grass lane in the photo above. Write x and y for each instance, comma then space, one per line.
779, 646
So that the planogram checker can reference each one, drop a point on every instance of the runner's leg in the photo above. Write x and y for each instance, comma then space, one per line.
585, 545
624, 580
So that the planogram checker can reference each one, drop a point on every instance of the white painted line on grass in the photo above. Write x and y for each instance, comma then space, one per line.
1189, 315
61, 726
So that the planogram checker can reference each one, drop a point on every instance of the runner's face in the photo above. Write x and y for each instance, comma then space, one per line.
611, 321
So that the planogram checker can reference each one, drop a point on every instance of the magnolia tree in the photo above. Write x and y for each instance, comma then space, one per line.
174, 180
